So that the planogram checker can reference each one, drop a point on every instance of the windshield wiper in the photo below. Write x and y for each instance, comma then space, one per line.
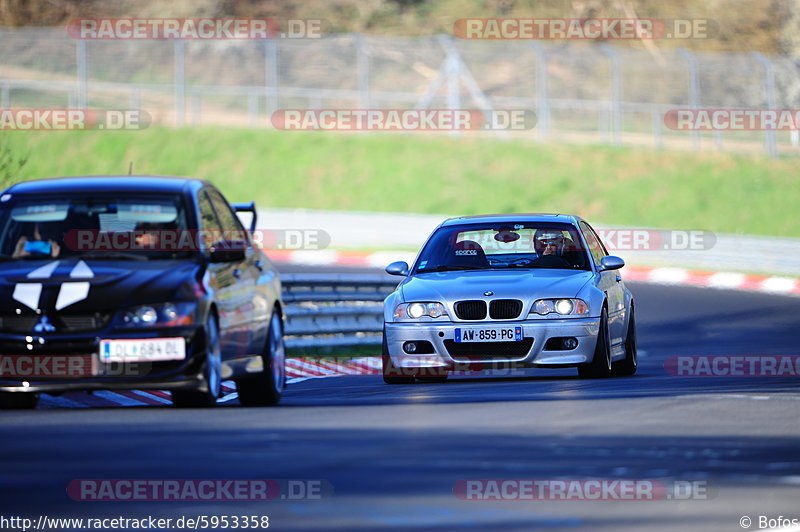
111, 255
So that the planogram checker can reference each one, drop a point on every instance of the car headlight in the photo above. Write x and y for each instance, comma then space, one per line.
161, 315
564, 307
416, 311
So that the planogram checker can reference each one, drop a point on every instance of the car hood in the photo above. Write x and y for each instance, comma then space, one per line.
76, 285
527, 285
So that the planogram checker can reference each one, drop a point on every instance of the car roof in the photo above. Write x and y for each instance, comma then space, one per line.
108, 183
511, 218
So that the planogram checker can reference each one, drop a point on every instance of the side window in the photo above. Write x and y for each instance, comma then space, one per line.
596, 247
209, 224
228, 220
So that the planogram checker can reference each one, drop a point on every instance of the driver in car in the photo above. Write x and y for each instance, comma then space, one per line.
37, 244
549, 246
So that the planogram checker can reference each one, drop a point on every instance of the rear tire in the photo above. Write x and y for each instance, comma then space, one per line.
628, 365
212, 373
265, 389
600, 366
18, 400
391, 373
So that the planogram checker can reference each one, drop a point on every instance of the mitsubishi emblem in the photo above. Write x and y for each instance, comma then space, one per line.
44, 325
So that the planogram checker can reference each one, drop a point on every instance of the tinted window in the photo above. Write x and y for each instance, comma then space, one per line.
503, 246
41, 227
596, 247
231, 226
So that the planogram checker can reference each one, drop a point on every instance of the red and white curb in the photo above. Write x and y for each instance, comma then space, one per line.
655, 275
297, 370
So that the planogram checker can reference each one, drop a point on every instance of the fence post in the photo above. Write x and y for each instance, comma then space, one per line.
362, 65
694, 93
769, 86
543, 122
453, 75
83, 78
616, 94
252, 108
271, 81
180, 82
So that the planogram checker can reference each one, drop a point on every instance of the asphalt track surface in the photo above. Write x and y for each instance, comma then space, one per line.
392, 454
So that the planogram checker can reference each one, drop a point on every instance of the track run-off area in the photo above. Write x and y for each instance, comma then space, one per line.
716, 448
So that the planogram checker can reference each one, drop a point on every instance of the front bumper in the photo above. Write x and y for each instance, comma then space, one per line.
530, 352
54, 363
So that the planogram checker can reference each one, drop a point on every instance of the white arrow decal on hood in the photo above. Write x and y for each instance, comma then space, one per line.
28, 293
71, 293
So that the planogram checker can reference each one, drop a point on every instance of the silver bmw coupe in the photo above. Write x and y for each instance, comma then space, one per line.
512, 290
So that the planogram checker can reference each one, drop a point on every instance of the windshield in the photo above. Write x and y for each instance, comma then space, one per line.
97, 226
503, 246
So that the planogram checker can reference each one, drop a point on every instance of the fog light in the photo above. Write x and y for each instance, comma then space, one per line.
569, 343
410, 347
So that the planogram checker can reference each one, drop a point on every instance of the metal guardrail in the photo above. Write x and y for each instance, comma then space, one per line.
334, 310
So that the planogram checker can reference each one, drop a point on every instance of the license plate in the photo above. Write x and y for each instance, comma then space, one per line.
142, 350
488, 334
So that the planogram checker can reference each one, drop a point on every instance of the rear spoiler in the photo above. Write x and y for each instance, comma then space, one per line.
247, 207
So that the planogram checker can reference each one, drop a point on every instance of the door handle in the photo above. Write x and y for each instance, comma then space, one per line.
619, 278
259, 265
237, 273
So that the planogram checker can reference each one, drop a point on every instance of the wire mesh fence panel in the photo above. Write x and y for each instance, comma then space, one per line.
583, 92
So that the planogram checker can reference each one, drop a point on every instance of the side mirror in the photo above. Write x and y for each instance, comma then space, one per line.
610, 262
398, 268
228, 251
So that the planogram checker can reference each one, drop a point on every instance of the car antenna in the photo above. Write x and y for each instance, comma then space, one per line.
130, 168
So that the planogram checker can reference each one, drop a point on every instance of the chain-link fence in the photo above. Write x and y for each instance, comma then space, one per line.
581, 92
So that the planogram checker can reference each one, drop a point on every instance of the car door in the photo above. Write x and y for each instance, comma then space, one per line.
253, 306
231, 297
610, 282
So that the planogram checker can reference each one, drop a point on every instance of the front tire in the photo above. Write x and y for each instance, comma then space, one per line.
600, 366
265, 389
628, 365
18, 400
212, 373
